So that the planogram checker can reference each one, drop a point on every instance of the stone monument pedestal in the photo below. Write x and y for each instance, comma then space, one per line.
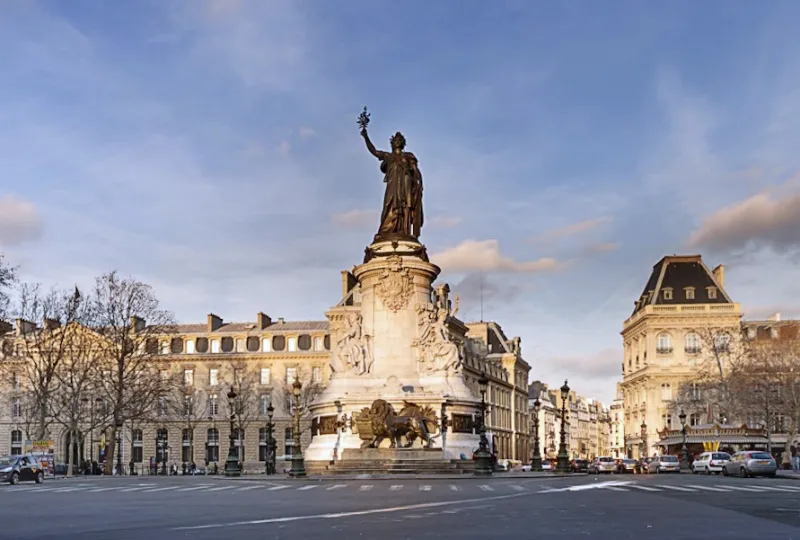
394, 345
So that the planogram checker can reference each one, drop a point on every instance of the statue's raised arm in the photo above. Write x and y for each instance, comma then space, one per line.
380, 154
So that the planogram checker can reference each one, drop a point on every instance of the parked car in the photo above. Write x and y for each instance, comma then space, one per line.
710, 462
16, 469
602, 464
664, 464
643, 465
627, 466
546, 466
579, 465
750, 463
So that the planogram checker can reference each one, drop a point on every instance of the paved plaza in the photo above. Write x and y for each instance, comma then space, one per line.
502, 507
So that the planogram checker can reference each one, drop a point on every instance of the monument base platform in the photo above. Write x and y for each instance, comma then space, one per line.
381, 461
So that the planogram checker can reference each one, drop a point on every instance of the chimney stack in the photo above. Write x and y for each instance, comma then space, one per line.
51, 324
348, 282
24, 327
775, 317
262, 321
280, 320
719, 275
214, 322
138, 324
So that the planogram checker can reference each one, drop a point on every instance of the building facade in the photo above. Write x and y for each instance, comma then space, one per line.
617, 426
682, 311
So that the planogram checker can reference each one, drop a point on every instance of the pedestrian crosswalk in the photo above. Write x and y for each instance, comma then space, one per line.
493, 488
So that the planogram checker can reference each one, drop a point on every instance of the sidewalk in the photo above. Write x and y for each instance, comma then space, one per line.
793, 475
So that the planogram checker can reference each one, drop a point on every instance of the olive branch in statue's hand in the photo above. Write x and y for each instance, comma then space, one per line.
363, 120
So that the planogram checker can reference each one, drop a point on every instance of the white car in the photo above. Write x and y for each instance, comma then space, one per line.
710, 462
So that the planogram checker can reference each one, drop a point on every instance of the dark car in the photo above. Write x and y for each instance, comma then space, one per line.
16, 469
627, 466
579, 465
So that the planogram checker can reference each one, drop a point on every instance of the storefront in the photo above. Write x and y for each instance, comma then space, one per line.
711, 438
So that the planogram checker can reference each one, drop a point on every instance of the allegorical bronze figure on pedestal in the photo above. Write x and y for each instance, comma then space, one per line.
380, 421
401, 218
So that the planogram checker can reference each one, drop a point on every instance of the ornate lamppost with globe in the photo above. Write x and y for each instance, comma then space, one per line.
536, 462
563, 454
483, 461
232, 467
298, 469
643, 451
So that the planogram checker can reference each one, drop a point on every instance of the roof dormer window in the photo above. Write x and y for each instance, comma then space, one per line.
712, 293
689, 292
667, 293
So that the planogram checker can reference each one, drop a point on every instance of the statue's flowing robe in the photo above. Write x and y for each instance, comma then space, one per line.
402, 201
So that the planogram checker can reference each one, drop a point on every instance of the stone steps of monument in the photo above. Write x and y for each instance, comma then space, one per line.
401, 467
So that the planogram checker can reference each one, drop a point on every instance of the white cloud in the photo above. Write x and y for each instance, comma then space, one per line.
573, 229
765, 219
603, 247
284, 148
446, 221
484, 255
356, 219
306, 132
19, 221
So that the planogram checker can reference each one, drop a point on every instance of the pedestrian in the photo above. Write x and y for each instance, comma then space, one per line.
795, 458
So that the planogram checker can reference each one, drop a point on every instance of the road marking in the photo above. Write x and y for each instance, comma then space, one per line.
98, 490
484, 487
194, 488
306, 488
454, 487
392, 509
708, 488
741, 488
68, 489
615, 488
160, 489
789, 488
132, 489
396, 488
517, 488
676, 488
366, 487
276, 488
643, 488
221, 488
584, 487
336, 486
248, 488
424, 488
775, 488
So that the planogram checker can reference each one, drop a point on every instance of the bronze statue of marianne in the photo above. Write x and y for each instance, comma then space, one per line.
402, 203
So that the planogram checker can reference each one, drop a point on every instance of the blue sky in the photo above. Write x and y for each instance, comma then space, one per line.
210, 148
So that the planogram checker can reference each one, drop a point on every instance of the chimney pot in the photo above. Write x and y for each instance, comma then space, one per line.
263, 320
280, 320
719, 275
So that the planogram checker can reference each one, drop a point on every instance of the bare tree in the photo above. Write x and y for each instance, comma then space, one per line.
186, 405
77, 384
310, 390
245, 406
127, 314
41, 350
8, 276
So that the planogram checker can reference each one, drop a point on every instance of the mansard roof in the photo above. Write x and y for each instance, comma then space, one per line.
679, 273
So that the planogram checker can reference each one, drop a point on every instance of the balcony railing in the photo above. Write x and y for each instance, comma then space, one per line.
693, 308
664, 350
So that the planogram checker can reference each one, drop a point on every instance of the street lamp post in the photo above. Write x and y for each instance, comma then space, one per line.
483, 463
684, 451
298, 469
563, 455
268, 464
643, 452
536, 462
232, 467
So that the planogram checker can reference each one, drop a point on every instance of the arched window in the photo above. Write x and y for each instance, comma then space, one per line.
288, 443
16, 442
187, 437
238, 442
664, 343
262, 444
666, 392
691, 343
162, 445
722, 342
136, 440
212, 445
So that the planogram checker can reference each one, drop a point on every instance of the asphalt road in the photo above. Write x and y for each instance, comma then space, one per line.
652, 507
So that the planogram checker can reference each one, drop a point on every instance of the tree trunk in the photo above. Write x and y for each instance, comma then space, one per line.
41, 425
111, 449
71, 452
